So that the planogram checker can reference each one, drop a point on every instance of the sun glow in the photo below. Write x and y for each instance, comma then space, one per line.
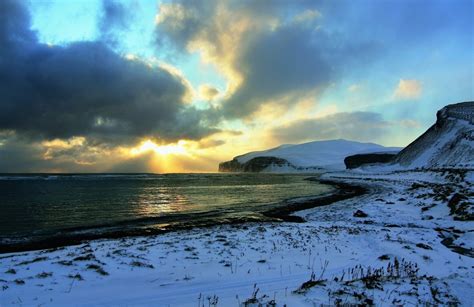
169, 149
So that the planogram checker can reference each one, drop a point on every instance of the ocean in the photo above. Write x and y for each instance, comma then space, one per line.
43, 206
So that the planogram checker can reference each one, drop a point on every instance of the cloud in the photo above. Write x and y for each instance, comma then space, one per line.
76, 154
410, 123
114, 14
14, 26
72, 107
266, 57
408, 89
208, 92
353, 88
359, 126
308, 16
18, 155
276, 51
87, 89
209, 143
114, 17
276, 65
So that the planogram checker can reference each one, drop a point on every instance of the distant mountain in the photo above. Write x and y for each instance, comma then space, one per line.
449, 143
312, 156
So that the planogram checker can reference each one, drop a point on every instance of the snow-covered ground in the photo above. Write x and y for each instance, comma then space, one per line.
417, 253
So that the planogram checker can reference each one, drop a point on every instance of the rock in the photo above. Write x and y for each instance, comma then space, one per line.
454, 202
360, 213
230, 166
461, 208
424, 246
255, 165
417, 185
259, 164
371, 158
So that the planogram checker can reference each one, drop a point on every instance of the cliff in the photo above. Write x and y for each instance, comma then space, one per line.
356, 161
256, 165
449, 143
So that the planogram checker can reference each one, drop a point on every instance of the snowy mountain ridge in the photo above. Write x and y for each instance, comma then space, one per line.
310, 156
449, 143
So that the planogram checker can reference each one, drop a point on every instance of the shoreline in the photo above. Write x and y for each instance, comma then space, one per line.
342, 191
396, 253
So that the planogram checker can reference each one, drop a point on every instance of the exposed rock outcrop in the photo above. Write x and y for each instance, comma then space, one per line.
230, 166
255, 165
356, 161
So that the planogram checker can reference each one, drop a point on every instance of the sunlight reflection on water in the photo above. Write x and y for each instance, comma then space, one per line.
32, 205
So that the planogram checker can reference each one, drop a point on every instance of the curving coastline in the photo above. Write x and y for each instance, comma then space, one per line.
343, 191
280, 214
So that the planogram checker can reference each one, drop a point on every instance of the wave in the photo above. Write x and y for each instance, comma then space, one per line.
79, 176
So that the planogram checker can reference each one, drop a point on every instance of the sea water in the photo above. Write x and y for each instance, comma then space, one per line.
41, 205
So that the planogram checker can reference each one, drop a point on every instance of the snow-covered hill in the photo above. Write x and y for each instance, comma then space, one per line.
303, 157
449, 143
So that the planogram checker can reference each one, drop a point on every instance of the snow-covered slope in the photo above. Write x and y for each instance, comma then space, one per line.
319, 154
449, 143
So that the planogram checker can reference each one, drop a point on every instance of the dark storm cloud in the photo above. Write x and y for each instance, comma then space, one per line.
286, 63
14, 26
17, 156
85, 89
361, 126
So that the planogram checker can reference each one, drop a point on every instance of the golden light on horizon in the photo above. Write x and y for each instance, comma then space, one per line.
168, 149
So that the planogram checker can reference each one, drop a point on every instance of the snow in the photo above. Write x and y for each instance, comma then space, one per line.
466, 240
228, 263
326, 154
436, 154
448, 143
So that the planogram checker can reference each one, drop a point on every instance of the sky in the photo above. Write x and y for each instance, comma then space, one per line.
181, 85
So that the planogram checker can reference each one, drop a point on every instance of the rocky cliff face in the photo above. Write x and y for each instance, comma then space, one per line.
256, 165
356, 161
449, 143
230, 166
